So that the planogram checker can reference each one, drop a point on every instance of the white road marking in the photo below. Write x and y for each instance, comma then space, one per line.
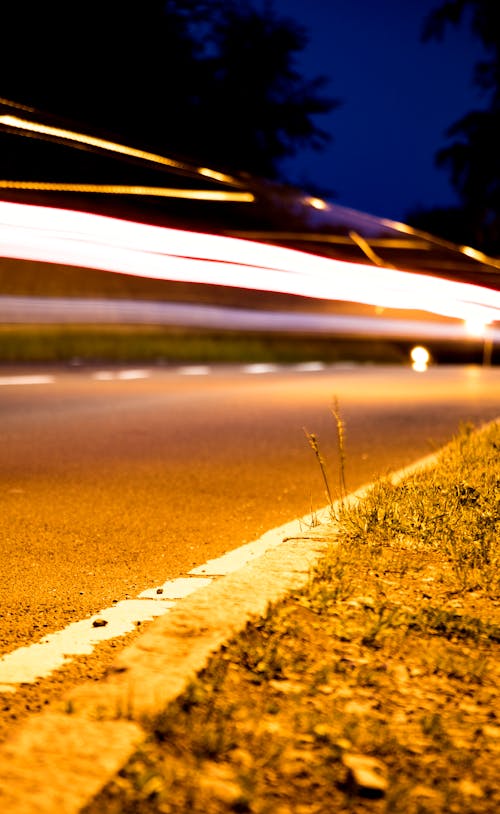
134, 374
194, 370
308, 367
260, 368
187, 370
28, 664
175, 588
31, 379
111, 375
103, 376
239, 557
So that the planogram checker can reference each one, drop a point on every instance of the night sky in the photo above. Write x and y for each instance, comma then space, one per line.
399, 97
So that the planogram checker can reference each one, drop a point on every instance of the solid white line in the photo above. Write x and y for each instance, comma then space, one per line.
175, 588
32, 379
239, 557
28, 664
35, 661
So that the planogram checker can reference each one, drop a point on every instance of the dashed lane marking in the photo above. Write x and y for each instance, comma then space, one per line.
260, 368
187, 370
194, 370
129, 375
123, 375
7, 381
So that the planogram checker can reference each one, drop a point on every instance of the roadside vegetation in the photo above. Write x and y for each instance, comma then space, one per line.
31, 343
157, 345
373, 689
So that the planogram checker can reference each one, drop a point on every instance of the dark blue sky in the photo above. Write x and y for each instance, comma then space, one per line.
399, 97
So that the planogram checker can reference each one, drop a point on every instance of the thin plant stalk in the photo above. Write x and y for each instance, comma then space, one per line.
341, 446
313, 443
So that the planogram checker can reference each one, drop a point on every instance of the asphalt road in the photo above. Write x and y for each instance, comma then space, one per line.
113, 483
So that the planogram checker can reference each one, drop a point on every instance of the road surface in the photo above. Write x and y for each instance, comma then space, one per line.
113, 481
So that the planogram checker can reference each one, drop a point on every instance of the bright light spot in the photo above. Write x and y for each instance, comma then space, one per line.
420, 355
420, 358
475, 326
317, 203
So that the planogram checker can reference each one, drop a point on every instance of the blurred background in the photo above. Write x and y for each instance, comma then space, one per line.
351, 131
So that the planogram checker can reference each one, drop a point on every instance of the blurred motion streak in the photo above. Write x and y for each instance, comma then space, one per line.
67, 310
93, 241
122, 189
61, 134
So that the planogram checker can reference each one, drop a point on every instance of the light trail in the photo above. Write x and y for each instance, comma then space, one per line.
91, 311
126, 189
72, 136
93, 241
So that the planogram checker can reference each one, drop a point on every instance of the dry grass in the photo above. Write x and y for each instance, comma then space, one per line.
375, 689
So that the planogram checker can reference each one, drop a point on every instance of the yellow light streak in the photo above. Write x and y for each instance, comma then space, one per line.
121, 189
17, 105
474, 253
344, 240
400, 227
109, 146
367, 249
216, 176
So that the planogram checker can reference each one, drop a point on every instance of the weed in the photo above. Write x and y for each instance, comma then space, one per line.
382, 620
453, 625
313, 443
341, 448
386, 652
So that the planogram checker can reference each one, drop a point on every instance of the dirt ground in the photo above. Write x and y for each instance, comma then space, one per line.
374, 689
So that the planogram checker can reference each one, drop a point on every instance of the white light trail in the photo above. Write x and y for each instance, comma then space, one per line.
94, 241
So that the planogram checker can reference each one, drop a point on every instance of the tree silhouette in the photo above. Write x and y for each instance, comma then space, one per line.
472, 157
214, 79
262, 109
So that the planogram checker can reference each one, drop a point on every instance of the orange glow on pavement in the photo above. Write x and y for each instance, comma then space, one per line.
94, 241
